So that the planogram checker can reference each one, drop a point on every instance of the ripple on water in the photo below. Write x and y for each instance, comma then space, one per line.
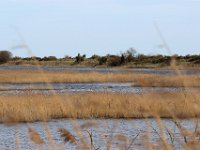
114, 70
86, 87
103, 132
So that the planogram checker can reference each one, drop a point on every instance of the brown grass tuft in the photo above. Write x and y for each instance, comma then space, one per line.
35, 137
68, 137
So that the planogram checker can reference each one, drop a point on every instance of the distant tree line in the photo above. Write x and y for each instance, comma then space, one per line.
130, 56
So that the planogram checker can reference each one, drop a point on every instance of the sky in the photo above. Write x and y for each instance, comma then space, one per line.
68, 27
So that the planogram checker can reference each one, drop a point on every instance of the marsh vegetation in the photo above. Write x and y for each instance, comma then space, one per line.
127, 59
44, 107
61, 108
141, 79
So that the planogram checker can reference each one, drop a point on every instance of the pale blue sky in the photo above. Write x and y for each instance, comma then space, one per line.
68, 27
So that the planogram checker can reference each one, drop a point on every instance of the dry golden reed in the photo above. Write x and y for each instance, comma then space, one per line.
34, 76
41, 107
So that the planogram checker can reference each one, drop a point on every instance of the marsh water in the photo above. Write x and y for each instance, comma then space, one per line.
135, 133
87, 87
104, 70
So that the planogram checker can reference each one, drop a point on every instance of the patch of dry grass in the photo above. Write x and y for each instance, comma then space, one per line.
169, 80
35, 107
37, 76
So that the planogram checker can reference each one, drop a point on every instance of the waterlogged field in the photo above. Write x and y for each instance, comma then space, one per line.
85, 108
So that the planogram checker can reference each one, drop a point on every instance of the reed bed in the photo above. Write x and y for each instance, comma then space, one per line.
41, 76
43, 107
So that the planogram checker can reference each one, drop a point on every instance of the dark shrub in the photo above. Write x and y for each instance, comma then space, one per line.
67, 57
27, 58
16, 58
52, 58
194, 58
122, 59
115, 61
49, 58
102, 60
36, 58
45, 58
5, 56
129, 55
80, 58
94, 57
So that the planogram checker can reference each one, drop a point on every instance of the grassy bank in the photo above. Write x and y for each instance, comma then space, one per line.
36, 76
35, 107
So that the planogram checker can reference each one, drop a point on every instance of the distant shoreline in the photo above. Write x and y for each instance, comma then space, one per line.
127, 59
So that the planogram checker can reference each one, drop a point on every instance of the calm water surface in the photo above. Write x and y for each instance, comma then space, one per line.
115, 70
